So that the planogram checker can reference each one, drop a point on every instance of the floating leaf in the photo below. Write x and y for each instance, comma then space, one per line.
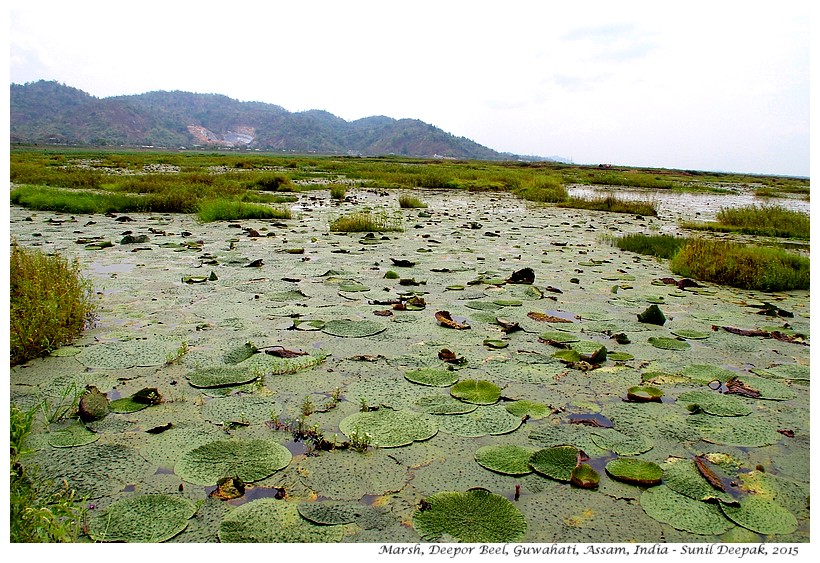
347, 328
495, 343
484, 420
744, 431
690, 334
269, 520
507, 459
444, 404
471, 517
761, 515
445, 319
334, 513
530, 409
683, 513
635, 471
308, 324
714, 403
556, 462
643, 393
74, 434
558, 338
479, 392
145, 518
220, 376
432, 377
652, 315
668, 343
244, 409
248, 460
589, 351
619, 356
239, 354
388, 428
584, 476
622, 444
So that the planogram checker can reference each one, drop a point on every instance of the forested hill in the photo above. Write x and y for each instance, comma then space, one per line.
47, 112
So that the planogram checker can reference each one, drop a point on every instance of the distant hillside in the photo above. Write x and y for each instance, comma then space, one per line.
47, 112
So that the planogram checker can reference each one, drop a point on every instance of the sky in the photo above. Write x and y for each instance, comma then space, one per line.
718, 86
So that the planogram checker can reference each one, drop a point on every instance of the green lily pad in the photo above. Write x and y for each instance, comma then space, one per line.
762, 515
145, 518
714, 403
752, 431
74, 434
335, 513
691, 334
683, 513
347, 328
769, 389
590, 351
622, 444
269, 520
795, 372
556, 463
432, 377
484, 420
388, 428
703, 373
483, 305
444, 404
584, 476
508, 459
479, 392
220, 376
244, 409
530, 409
619, 356
239, 354
635, 471
308, 324
140, 400
558, 337
248, 460
643, 393
495, 343
668, 343
683, 477
471, 517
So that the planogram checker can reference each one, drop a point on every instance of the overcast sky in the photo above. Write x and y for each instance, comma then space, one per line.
718, 85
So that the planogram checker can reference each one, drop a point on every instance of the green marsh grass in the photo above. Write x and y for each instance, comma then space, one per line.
51, 303
543, 189
766, 220
40, 510
230, 210
662, 246
411, 202
365, 222
338, 191
612, 204
745, 267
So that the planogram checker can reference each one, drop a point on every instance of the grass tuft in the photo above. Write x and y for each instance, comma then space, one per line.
663, 246
612, 204
51, 303
229, 210
365, 221
410, 202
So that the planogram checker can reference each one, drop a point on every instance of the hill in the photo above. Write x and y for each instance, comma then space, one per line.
47, 112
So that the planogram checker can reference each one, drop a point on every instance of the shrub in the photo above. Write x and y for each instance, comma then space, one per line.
275, 183
746, 267
410, 202
663, 246
51, 303
228, 210
338, 191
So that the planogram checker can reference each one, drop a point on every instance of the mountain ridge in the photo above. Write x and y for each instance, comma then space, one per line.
48, 112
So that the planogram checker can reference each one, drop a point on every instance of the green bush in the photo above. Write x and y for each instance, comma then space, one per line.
410, 202
338, 191
746, 267
229, 210
51, 303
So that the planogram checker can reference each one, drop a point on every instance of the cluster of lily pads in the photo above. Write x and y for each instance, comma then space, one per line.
504, 388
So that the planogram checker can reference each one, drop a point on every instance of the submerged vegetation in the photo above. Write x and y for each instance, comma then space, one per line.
51, 303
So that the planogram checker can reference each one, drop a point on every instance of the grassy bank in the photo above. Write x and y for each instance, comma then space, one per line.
766, 220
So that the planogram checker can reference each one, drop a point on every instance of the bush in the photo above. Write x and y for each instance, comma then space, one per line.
51, 303
338, 191
746, 267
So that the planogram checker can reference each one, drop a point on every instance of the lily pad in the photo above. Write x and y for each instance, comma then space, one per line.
484, 420
558, 337
220, 376
239, 354
635, 471
704, 373
269, 520
308, 324
712, 402
388, 428
479, 392
347, 328
483, 305
145, 518
683, 513
585, 477
244, 409
669, 343
444, 404
74, 434
590, 351
529, 409
556, 463
334, 513
248, 460
683, 477
470, 517
619, 356
432, 377
794, 372
752, 431
508, 459
762, 515
622, 444
643, 393
691, 334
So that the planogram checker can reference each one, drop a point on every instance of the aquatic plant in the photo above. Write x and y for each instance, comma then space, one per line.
473, 516
366, 222
210, 210
51, 302
613, 204
144, 518
411, 202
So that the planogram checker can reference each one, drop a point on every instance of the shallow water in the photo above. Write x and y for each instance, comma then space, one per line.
154, 330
